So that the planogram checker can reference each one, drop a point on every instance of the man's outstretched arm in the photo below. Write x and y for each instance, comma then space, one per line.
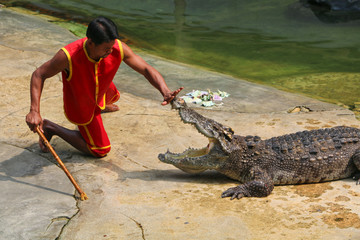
150, 73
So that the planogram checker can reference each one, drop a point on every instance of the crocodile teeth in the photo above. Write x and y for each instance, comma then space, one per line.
209, 147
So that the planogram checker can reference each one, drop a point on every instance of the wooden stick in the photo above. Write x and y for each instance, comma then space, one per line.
47, 144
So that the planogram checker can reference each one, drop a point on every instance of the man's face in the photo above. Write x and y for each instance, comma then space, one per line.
102, 50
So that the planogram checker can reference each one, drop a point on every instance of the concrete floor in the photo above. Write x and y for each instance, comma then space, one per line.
132, 195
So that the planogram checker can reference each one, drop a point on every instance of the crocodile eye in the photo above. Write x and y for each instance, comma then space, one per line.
251, 144
257, 138
231, 130
228, 137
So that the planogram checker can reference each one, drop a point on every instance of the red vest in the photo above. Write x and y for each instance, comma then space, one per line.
84, 87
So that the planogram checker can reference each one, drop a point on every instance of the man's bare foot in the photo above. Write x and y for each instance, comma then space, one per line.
47, 134
110, 108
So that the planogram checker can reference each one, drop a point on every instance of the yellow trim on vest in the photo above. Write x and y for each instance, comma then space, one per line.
86, 53
97, 87
70, 63
96, 75
121, 49
96, 82
96, 72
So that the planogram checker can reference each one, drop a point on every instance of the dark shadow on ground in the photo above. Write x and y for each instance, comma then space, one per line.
175, 175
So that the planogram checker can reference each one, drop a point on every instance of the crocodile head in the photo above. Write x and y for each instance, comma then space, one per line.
210, 157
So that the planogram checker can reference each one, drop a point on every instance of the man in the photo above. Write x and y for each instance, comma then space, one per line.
88, 66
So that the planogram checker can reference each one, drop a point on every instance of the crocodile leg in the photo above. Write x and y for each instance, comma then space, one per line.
356, 159
259, 184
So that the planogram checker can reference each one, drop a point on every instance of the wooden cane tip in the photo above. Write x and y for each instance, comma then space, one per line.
83, 197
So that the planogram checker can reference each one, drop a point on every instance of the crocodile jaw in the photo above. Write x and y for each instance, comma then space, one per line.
197, 160
210, 157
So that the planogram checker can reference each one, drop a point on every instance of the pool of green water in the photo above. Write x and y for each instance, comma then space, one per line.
279, 43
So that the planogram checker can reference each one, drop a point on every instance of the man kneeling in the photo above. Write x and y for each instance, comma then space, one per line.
88, 67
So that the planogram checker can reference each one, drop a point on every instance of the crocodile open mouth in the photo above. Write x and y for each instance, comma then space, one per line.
210, 157
196, 160
192, 152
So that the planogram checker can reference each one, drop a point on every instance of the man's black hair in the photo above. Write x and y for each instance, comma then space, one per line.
101, 30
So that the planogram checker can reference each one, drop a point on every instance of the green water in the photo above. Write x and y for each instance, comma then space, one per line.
274, 42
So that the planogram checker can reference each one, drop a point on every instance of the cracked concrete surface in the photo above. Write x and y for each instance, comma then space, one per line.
131, 194
37, 199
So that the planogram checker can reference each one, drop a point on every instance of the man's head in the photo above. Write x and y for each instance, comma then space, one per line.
101, 34
102, 30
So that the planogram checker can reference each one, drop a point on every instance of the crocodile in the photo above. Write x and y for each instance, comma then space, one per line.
314, 156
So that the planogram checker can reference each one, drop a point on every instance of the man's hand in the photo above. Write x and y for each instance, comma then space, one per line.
33, 119
170, 96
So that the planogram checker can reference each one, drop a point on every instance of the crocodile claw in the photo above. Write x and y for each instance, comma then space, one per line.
235, 192
357, 178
